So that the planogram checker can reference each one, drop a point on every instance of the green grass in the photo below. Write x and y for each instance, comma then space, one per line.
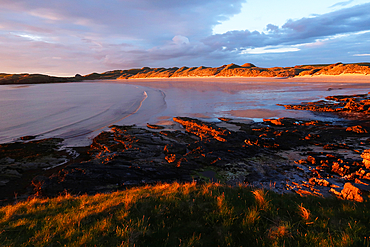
185, 215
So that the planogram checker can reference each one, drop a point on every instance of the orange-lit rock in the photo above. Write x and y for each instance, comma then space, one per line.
170, 158
350, 192
320, 182
311, 160
281, 121
357, 129
366, 158
201, 129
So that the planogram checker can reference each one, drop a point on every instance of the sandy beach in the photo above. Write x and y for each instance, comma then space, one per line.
79, 111
350, 80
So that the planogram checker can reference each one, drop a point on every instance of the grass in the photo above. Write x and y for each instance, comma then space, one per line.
185, 215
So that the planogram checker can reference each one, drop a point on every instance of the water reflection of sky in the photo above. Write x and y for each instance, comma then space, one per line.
64, 109
224, 103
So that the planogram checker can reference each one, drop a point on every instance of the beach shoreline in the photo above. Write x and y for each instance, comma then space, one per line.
348, 76
344, 78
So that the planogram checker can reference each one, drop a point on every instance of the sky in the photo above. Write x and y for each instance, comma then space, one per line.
66, 37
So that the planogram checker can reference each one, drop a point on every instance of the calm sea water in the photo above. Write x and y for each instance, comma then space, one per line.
79, 111
73, 111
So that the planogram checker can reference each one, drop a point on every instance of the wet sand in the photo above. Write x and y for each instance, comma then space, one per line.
208, 98
235, 84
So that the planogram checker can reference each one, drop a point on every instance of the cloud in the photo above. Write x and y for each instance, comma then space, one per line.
267, 49
129, 19
328, 51
361, 55
305, 30
180, 40
341, 4
58, 37
103, 29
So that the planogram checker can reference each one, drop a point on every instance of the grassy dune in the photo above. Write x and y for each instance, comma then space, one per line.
185, 215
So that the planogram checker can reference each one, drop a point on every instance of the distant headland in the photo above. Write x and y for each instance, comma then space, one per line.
230, 70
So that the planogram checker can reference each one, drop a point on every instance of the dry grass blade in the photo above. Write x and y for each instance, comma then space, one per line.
260, 197
304, 212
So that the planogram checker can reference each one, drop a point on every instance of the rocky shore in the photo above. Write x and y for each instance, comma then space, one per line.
285, 155
230, 70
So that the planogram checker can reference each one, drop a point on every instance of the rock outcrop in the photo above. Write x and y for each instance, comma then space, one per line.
349, 192
325, 158
347, 106
25, 158
202, 129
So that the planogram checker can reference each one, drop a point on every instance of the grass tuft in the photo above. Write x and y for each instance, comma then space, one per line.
251, 217
280, 231
304, 212
260, 197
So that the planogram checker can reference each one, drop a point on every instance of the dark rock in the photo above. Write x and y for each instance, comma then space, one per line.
153, 126
175, 148
285, 155
27, 138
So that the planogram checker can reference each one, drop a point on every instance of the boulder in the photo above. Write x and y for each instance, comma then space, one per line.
357, 129
350, 192
366, 158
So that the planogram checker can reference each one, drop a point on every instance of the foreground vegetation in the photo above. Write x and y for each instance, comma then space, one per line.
185, 215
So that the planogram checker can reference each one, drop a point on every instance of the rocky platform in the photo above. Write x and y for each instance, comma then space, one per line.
284, 155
